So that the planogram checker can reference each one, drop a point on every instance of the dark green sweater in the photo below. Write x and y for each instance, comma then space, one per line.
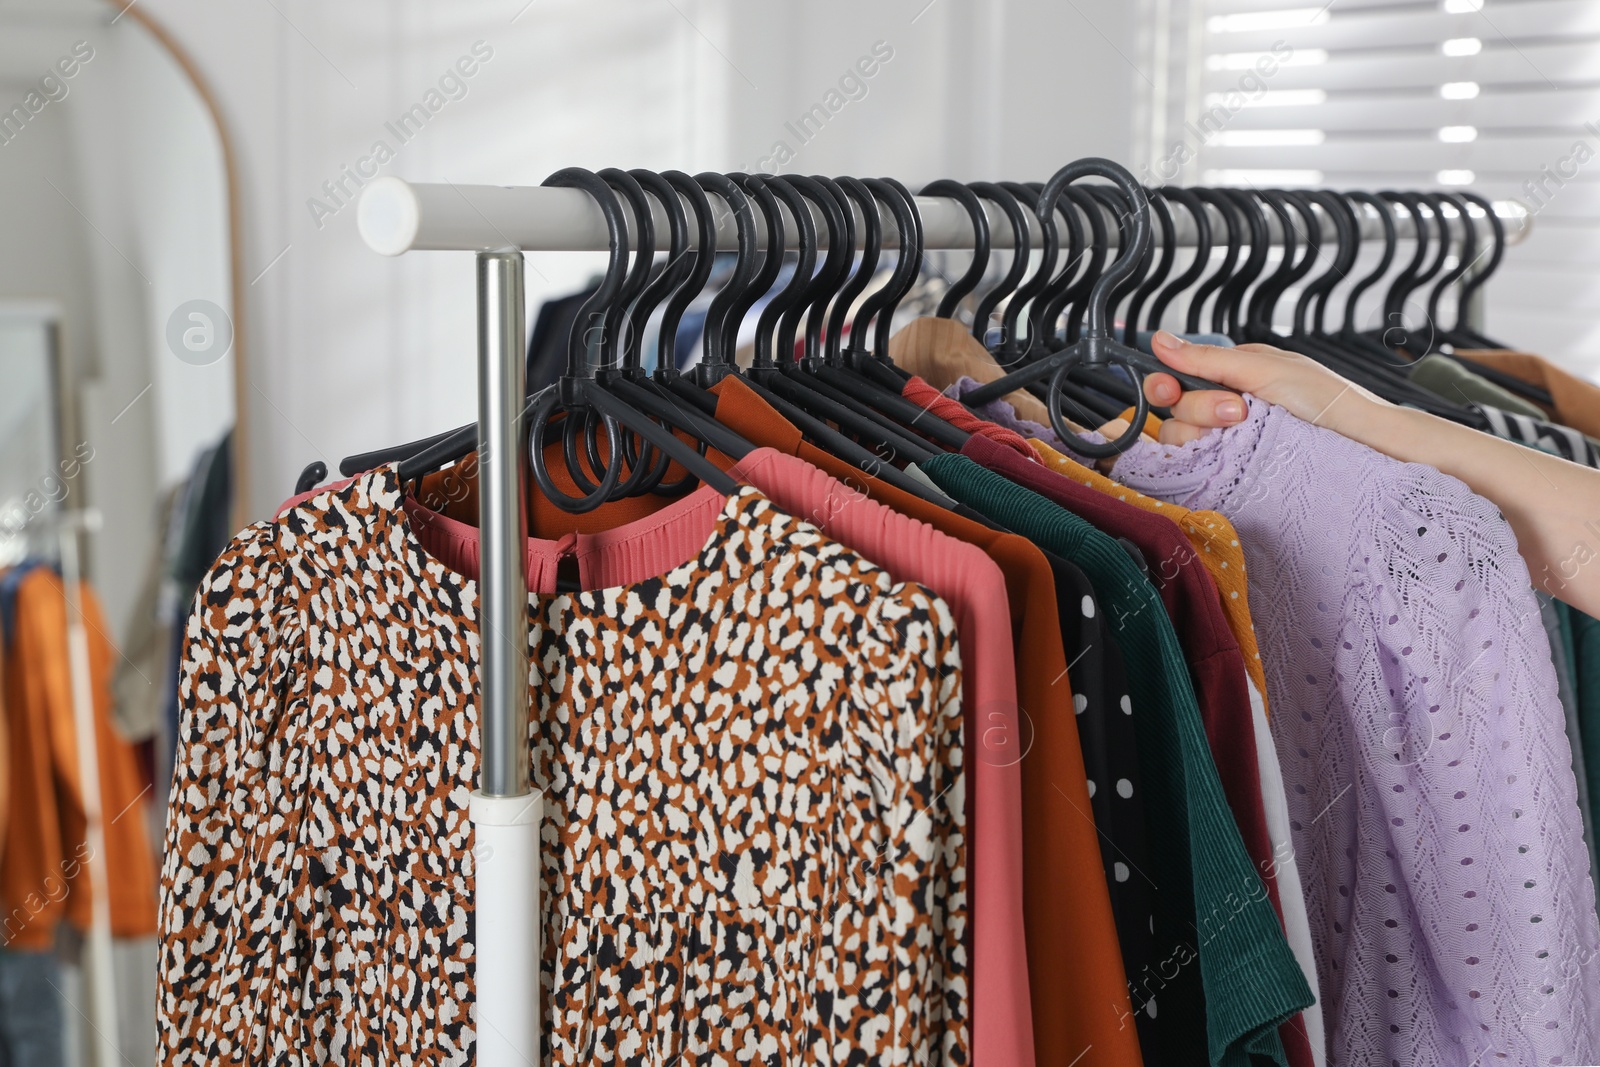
1225, 976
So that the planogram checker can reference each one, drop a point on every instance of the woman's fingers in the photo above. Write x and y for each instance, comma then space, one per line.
1162, 390
1209, 408
1177, 432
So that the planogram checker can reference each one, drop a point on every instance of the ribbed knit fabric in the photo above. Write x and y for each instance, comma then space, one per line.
920, 392
1428, 770
1077, 983
1226, 971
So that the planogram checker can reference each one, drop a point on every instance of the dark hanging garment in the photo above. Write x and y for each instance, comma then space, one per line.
547, 347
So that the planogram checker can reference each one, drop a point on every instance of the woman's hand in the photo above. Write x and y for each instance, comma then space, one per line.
1305, 388
1550, 502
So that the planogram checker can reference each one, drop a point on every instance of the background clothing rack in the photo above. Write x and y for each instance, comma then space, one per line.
60, 531
499, 223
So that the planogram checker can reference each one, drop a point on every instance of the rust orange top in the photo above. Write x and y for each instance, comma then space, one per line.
42, 864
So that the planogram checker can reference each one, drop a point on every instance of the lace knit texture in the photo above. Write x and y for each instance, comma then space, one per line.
1429, 776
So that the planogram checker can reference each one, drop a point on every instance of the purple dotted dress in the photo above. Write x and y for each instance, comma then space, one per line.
1429, 775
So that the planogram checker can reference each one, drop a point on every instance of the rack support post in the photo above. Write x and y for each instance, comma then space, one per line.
506, 811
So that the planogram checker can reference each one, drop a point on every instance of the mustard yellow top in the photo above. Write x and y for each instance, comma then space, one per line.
1213, 538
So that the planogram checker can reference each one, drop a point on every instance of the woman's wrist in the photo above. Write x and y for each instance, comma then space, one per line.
1351, 411
1402, 433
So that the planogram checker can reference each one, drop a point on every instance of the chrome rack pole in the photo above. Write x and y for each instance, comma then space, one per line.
99, 967
506, 811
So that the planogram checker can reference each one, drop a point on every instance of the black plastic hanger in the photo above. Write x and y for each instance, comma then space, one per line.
1393, 330
1260, 311
1119, 212
878, 310
310, 477
871, 250
1385, 259
1154, 275
1225, 313
1233, 244
1465, 256
719, 352
1021, 246
1352, 359
1470, 338
1202, 253
1433, 224
846, 383
678, 283
980, 243
1013, 344
640, 459
579, 390
817, 398
1072, 300
1095, 347
1310, 312
716, 360
829, 277
1072, 280
702, 255
682, 261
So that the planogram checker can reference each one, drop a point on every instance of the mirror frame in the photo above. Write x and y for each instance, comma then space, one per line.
236, 289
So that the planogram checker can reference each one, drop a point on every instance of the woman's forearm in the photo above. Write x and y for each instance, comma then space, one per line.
1553, 505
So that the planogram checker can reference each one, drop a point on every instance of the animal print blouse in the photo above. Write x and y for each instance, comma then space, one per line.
754, 823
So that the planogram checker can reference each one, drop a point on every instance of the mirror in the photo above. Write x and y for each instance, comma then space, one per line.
117, 397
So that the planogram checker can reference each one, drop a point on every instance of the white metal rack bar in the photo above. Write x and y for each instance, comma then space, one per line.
500, 223
397, 216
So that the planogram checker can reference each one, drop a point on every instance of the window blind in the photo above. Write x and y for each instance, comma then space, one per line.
1500, 96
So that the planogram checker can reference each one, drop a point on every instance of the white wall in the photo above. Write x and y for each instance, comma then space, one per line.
149, 166
351, 352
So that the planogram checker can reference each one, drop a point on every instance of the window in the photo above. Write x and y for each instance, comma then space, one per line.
1500, 96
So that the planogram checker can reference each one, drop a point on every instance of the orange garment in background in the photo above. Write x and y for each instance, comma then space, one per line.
1574, 402
42, 862
5, 759
1213, 538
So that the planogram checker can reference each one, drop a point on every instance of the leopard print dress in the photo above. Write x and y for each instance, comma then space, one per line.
754, 844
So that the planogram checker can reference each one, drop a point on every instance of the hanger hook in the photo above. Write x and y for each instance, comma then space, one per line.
1138, 204
871, 250
570, 391
715, 362
980, 243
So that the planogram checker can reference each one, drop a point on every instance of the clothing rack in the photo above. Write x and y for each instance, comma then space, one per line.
499, 223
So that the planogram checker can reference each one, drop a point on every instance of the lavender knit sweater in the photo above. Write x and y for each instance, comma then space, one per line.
1429, 777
